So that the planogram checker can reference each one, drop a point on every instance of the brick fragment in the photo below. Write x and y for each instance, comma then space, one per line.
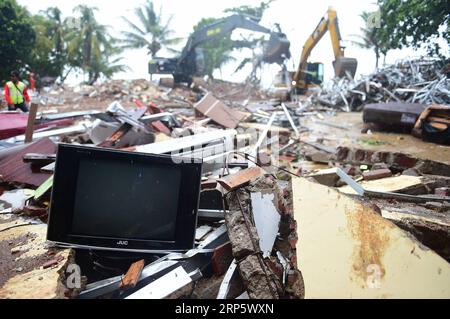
376, 174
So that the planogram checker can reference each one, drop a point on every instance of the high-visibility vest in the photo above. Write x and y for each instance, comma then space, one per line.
16, 95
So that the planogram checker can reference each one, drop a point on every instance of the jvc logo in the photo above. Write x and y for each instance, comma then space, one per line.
122, 242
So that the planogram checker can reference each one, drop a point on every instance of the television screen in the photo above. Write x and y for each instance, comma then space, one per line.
111, 199
151, 193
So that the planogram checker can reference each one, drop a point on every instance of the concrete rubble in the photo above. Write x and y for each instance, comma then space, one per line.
298, 199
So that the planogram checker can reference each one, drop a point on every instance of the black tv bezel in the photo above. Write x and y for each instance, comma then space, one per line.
64, 193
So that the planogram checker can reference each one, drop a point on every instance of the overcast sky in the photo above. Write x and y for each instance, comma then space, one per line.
297, 19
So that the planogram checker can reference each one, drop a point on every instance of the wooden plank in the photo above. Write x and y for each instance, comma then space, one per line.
347, 250
116, 136
261, 127
439, 119
389, 184
232, 182
132, 276
30, 125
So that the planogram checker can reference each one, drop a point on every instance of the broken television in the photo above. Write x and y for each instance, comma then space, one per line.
125, 201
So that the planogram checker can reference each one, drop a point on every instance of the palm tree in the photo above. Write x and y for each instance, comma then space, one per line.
106, 65
91, 47
151, 33
369, 39
56, 29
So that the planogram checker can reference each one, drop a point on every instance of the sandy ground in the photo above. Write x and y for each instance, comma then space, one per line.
389, 142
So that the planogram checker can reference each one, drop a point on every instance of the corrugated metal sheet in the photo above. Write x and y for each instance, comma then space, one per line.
13, 124
13, 169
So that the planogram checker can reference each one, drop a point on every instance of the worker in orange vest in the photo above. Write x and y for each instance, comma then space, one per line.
32, 82
16, 93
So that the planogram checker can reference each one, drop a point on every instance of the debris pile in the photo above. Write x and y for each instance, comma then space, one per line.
292, 203
421, 80
83, 96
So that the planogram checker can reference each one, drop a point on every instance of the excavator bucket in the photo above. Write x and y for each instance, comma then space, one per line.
276, 50
344, 65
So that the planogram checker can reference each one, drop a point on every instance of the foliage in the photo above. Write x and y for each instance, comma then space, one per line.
217, 51
414, 22
254, 11
49, 56
151, 33
370, 38
90, 47
17, 38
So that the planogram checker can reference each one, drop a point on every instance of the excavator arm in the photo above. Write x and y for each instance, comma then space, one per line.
187, 64
219, 29
342, 65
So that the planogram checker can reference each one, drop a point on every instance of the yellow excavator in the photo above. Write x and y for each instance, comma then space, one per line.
310, 75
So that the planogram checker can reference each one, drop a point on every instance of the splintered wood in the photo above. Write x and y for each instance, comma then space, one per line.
132, 276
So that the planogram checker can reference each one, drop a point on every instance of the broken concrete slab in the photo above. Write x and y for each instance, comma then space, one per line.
361, 254
245, 237
256, 275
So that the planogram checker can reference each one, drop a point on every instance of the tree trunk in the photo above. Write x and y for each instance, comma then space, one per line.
377, 56
67, 74
93, 78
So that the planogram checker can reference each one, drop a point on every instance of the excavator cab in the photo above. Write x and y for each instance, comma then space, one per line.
314, 73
